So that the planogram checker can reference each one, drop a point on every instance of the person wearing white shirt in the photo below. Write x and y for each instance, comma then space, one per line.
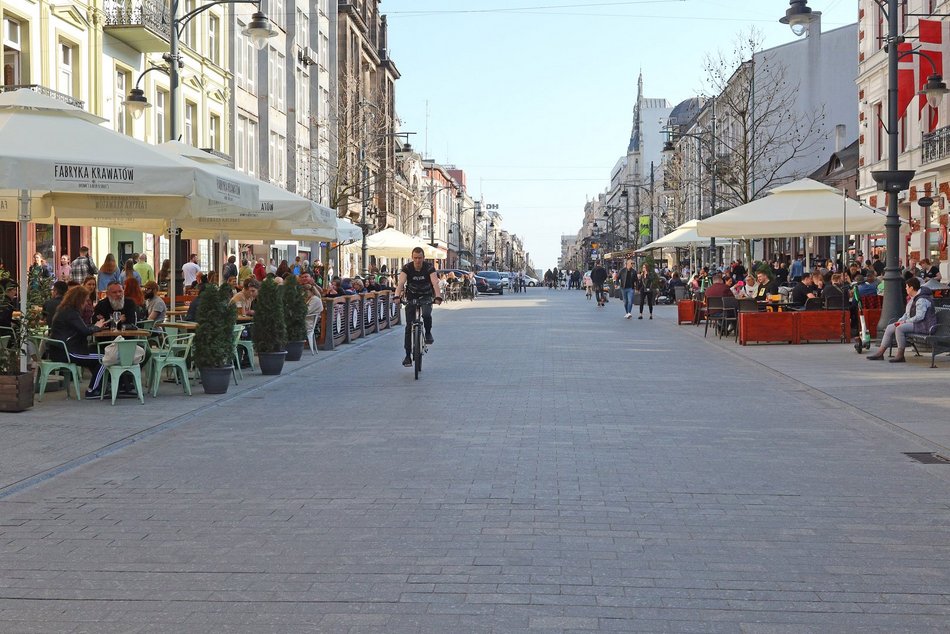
190, 270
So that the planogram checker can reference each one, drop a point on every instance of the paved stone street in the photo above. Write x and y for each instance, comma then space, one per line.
556, 469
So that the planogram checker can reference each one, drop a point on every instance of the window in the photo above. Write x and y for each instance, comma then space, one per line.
276, 67
246, 152
214, 39
303, 29
277, 152
189, 35
121, 118
190, 132
214, 132
302, 95
277, 13
67, 77
12, 45
246, 61
303, 171
161, 116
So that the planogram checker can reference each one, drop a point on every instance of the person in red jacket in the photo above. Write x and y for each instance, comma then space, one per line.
259, 271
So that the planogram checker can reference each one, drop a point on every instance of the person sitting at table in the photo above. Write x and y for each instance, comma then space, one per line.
244, 301
192, 314
133, 292
57, 292
745, 289
69, 327
718, 288
232, 283
8, 302
803, 291
818, 281
836, 292
766, 287
314, 305
90, 285
115, 301
866, 286
919, 317
155, 307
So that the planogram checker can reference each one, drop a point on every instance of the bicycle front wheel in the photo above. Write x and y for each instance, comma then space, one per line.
417, 350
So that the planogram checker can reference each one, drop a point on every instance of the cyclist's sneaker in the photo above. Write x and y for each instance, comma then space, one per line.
429, 339
407, 362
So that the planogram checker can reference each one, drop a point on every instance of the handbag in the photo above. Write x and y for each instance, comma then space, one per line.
110, 356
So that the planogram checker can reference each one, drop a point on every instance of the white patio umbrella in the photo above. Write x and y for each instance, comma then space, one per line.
803, 208
346, 231
684, 235
56, 153
392, 243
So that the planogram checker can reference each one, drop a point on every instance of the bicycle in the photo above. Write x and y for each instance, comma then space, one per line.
419, 346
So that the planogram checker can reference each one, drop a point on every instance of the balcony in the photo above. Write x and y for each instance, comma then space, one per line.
935, 146
49, 92
142, 24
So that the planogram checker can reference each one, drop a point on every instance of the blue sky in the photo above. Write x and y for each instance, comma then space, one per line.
534, 98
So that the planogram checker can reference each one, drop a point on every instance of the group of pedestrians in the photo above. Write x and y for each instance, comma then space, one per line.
631, 283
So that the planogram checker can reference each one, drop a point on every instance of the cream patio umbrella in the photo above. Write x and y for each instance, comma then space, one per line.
802, 208
392, 243
58, 154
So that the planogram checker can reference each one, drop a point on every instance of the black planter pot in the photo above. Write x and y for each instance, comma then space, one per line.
294, 350
215, 380
272, 362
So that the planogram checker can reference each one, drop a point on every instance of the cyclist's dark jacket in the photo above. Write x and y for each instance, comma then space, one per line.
418, 283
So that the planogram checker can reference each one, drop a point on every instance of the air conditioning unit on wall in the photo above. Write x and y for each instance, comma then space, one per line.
307, 56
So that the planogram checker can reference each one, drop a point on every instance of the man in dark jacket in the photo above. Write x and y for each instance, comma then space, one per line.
627, 282
115, 301
598, 275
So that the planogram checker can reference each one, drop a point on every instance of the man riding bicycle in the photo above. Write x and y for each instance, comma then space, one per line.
418, 279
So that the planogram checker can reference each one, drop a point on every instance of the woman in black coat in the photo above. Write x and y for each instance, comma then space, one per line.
69, 327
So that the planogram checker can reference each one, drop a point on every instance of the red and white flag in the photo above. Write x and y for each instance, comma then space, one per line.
934, 38
906, 77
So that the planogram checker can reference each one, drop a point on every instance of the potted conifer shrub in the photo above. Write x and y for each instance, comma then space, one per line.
270, 329
17, 385
295, 316
214, 338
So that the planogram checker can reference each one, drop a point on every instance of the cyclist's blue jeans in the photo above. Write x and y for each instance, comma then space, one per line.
410, 317
628, 300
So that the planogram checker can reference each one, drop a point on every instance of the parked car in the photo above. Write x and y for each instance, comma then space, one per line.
531, 281
494, 281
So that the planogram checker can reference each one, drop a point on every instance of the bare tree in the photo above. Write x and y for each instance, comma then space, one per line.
358, 131
764, 138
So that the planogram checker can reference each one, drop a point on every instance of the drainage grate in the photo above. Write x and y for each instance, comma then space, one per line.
928, 457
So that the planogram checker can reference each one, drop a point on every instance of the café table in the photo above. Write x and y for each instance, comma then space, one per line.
133, 333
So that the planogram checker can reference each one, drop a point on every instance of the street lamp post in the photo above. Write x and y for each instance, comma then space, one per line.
258, 29
668, 147
892, 180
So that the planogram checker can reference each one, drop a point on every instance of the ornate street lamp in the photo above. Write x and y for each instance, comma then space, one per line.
892, 180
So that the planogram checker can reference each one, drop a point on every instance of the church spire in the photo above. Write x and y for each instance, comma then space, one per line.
634, 145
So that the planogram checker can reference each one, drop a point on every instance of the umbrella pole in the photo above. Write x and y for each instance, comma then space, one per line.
223, 253
24, 219
173, 270
805, 264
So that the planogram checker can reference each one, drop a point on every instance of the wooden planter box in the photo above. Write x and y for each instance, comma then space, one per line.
823, 325
16, 392
768, 327
685, 311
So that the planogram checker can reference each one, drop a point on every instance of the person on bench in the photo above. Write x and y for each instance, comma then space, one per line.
918, 317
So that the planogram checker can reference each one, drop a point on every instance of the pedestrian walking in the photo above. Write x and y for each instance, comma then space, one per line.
646, 286
627, 283
598, 275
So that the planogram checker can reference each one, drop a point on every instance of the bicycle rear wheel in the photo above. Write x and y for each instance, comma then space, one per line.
417, 349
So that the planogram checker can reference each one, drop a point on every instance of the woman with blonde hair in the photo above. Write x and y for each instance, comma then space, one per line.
129, 271
108, 273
